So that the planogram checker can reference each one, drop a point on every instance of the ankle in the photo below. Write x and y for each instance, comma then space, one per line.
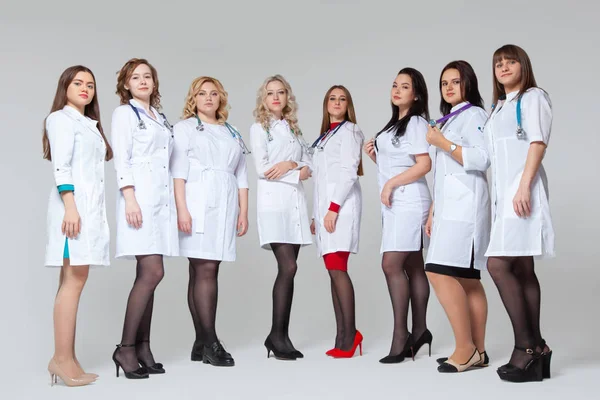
61, 359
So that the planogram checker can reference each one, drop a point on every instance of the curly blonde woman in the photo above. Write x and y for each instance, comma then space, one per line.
211, 195
283, 226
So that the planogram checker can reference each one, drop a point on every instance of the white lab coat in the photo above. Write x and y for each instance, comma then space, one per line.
142, 160
404, 222
336, 180
214, 167
461, 219
512, 235
282, 214
78, 152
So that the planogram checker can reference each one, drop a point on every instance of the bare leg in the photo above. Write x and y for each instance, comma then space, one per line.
478, 310
71, 283
454, 300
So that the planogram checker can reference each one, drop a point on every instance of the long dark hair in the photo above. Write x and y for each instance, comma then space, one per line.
469, 88
350, 115
513, 52
92, 110
419, 107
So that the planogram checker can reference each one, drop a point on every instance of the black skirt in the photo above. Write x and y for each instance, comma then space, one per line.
457, 272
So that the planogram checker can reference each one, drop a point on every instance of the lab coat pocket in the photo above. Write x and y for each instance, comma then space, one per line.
143, 186
458, 202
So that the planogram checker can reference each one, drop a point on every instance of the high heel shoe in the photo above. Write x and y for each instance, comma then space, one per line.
339, 353
56, 371
532, 372
485, 360
156, 368
331, 351
546, 358
279, 355
297, 354
450, 366
426, 337
140, 373
398, 358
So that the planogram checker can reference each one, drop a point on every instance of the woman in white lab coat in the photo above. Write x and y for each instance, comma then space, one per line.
401, 153
459, 219
211, 192
283, 225
146, 219
77, 229
337, 208
517, 135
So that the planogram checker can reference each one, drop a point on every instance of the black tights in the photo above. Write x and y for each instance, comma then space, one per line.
342, 293
286, 255
520, 292
138, 316
407, 283
202, 299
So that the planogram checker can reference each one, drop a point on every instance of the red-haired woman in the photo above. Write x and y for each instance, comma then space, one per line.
146, 218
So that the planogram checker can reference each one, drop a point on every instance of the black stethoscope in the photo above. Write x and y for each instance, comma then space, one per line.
237, 136
323, 139
142, 125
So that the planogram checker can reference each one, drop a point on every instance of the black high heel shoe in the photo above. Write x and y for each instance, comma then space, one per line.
140, 373
546, 358
532, 372
280, 355
426, 337
407, 351
297, 354
156, 368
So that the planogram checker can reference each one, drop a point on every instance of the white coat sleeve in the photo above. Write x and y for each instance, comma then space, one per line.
121, 132
536, 114
260, 152
350, 152
241, 173
180, 162
416, 135
475, 156
61, 135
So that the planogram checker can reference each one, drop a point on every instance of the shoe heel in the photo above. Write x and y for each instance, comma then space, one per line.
52, 379
268, 353
360, 348
429, 349
546, 358
117, 367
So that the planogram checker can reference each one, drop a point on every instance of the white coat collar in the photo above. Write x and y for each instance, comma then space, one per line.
458, 106
510, 96
74, 113
275, 122
141, 109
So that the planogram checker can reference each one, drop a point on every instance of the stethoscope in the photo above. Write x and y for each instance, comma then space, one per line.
142, 125
322, 140
520, 132
237, 136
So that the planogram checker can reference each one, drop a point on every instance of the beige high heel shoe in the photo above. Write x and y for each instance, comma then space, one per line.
56, 371
452, 366
86, 374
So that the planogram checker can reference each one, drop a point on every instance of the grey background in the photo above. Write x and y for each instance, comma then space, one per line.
314, 44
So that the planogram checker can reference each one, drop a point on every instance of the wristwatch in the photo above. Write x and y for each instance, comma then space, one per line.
452, 148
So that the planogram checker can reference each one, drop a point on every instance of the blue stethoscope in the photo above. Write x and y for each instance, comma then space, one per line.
521, 134
323, 139
142, 125
237, 136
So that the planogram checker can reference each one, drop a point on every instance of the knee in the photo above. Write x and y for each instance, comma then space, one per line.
390, 268
76, 277
154, 276
433, 277
290, 270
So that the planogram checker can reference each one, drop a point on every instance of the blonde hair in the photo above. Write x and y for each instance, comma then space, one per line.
189, 109
262, 114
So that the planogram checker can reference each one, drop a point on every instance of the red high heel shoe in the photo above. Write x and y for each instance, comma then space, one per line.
330, 352
358, 338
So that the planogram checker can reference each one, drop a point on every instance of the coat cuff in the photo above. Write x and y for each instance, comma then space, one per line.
334, 207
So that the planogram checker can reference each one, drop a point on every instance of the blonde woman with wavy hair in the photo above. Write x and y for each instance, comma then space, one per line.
211, 196
283, 226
